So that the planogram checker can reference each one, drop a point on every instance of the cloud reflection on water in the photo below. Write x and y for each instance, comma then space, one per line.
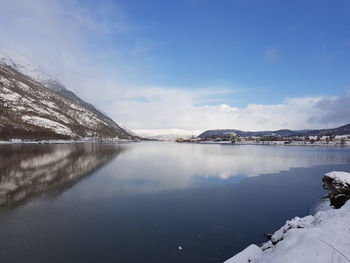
157, 166
29, 170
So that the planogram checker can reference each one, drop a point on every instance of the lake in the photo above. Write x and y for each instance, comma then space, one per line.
152, 201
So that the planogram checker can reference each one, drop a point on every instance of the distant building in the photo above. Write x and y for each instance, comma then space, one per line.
234, 137
180, 139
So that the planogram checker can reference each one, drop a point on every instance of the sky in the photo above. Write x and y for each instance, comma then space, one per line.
193, 64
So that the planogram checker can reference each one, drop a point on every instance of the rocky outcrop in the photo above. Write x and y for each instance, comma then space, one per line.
338, 186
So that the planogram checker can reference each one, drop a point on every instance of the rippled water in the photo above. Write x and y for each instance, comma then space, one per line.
139, 202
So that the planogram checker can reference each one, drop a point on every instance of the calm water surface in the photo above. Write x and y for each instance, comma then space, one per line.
140, 202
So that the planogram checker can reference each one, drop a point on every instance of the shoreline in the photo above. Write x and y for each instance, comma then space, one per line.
268, 143
319, 237
273, 143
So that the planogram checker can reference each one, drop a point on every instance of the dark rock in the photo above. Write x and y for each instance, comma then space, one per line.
339, 192
268, 236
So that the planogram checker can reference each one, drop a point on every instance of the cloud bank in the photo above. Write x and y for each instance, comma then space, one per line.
174, 107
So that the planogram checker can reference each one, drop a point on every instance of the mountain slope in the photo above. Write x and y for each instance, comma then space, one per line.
30, 110
342, 130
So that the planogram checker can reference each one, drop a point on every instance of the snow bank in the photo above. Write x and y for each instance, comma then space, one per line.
340, 177
338, 186
251, 252
322, 238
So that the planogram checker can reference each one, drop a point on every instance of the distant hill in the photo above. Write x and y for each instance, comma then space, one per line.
37, 106
342, 130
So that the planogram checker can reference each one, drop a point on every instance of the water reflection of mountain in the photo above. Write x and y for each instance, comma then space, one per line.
29, 170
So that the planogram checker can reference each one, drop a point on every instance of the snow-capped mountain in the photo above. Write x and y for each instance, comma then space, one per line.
167, 134
35, 105
23, 65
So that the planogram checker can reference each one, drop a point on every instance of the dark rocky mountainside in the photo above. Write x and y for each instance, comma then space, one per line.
36, 110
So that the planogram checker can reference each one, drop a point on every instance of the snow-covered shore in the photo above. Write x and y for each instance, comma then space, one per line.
322, 238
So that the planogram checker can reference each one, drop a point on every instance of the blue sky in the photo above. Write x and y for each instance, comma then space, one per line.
270, 49
193, 64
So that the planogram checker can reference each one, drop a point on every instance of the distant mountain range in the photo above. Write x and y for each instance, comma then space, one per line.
342, 130
167, 134
37, 106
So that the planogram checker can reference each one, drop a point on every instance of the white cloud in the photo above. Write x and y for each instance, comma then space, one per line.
166, 108
334, 110
72, 42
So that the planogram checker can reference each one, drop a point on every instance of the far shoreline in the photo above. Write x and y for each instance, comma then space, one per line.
121, 141
272, 143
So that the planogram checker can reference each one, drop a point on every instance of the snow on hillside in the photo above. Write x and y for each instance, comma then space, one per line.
48, 124
322, 238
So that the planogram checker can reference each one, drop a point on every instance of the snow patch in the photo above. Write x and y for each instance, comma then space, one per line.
340, 177
5, 81
9, 95
23, 86
49, 124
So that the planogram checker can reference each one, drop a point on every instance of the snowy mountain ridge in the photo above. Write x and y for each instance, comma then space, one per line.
23, 65
35, 105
